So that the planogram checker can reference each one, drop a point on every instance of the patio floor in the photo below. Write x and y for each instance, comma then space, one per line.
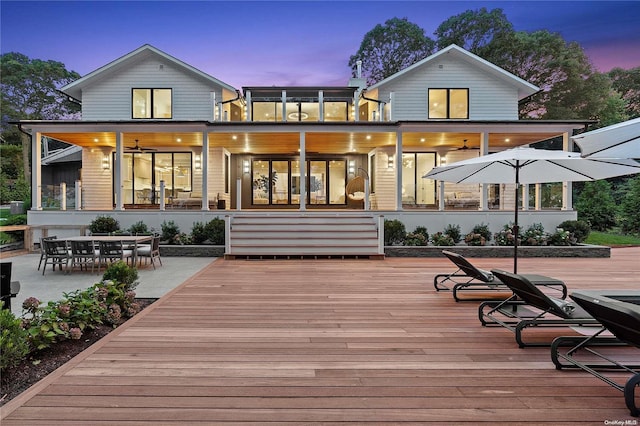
328, 342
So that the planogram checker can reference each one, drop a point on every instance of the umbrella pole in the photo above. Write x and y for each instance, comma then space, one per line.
515, 225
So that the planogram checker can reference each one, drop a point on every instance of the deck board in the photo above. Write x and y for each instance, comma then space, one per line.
328, 342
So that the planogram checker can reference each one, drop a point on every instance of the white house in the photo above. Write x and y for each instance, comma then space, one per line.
162, 141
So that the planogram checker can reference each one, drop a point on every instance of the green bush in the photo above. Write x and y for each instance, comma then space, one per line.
104, 224
16, 219
596, 206
416, 239
579, 229
14, 344
122, 273
561, 238
139, 228
170, 232
630, 207
479, 235
394, 232
534, 236
198, 233
442, 239
214, 231
505, 236
454, 232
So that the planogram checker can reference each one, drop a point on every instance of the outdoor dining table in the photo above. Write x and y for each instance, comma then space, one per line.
134, 240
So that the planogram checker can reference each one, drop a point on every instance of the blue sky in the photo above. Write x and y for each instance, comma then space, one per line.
252, 43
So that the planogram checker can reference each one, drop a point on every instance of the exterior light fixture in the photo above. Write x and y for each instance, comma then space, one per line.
390, 162
352, 166
443, 161
245, 166
198, 162
106, 164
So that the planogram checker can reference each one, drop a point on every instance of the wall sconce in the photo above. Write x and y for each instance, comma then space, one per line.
106, 164
352, 167
443, 161
245, 166
198, 162
390, 162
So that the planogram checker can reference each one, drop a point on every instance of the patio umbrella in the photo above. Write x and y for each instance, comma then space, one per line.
620, 140
528, 165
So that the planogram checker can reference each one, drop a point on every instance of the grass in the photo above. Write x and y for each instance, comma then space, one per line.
612, 239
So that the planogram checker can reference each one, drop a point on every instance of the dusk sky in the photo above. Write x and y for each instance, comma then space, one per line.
285, 43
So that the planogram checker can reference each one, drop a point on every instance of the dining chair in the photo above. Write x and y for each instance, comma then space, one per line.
84, 253
56, 253
151, 251
112, 251
43, 254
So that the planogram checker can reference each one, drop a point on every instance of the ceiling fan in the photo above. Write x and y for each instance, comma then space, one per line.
465, 147
138, 148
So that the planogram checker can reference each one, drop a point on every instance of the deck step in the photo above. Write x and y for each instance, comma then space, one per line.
306, 234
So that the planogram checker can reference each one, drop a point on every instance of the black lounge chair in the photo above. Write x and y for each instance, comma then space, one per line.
530, 307
619, 313
468, 278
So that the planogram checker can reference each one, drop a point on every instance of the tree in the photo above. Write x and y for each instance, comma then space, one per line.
630, 218
595, 205
29, 91
474, 31
390, 48
627, 83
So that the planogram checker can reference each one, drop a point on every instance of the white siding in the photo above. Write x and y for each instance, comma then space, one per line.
110, 99
385, 179
489, 97
96, 182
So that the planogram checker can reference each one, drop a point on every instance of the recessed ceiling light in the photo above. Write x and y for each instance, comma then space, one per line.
234, 137
421, 139
96, 140
507, 140
368, 137
179, 140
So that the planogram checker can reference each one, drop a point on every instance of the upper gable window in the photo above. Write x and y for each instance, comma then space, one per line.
449, 103
151, 103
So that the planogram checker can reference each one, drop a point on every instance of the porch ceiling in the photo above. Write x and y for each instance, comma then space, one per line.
316, 142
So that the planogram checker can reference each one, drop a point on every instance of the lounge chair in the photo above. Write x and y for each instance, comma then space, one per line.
468, 278
619, 314
530, 307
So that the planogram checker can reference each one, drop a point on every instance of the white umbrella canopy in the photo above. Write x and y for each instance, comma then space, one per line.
527, 165
620, 140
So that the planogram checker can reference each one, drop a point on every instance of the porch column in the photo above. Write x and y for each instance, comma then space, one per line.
398, 170
538, 196
205, 170
117, 171
567, 199
525, 197
63, 195
247, 107
284, 106
441, 195
303, 172
36, 171
484, 188
391, 105
321, 106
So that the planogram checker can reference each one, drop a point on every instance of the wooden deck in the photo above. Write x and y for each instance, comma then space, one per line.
327, 341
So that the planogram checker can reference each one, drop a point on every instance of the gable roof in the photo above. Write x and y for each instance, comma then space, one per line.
75, 89
524, 87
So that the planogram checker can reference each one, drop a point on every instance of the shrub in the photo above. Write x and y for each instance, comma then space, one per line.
394, 232
198, 233
16, 219
416, 239
534, 236
103, 224
596, 206
214, 231
505, 236
14, 344
479, 235
122, 273
579, 229
442, 239
453, 231
139, 228
170, 232
561, 238
630, 207
422, 230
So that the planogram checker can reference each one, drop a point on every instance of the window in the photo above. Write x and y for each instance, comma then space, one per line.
151, 103
449, 103
415, 189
